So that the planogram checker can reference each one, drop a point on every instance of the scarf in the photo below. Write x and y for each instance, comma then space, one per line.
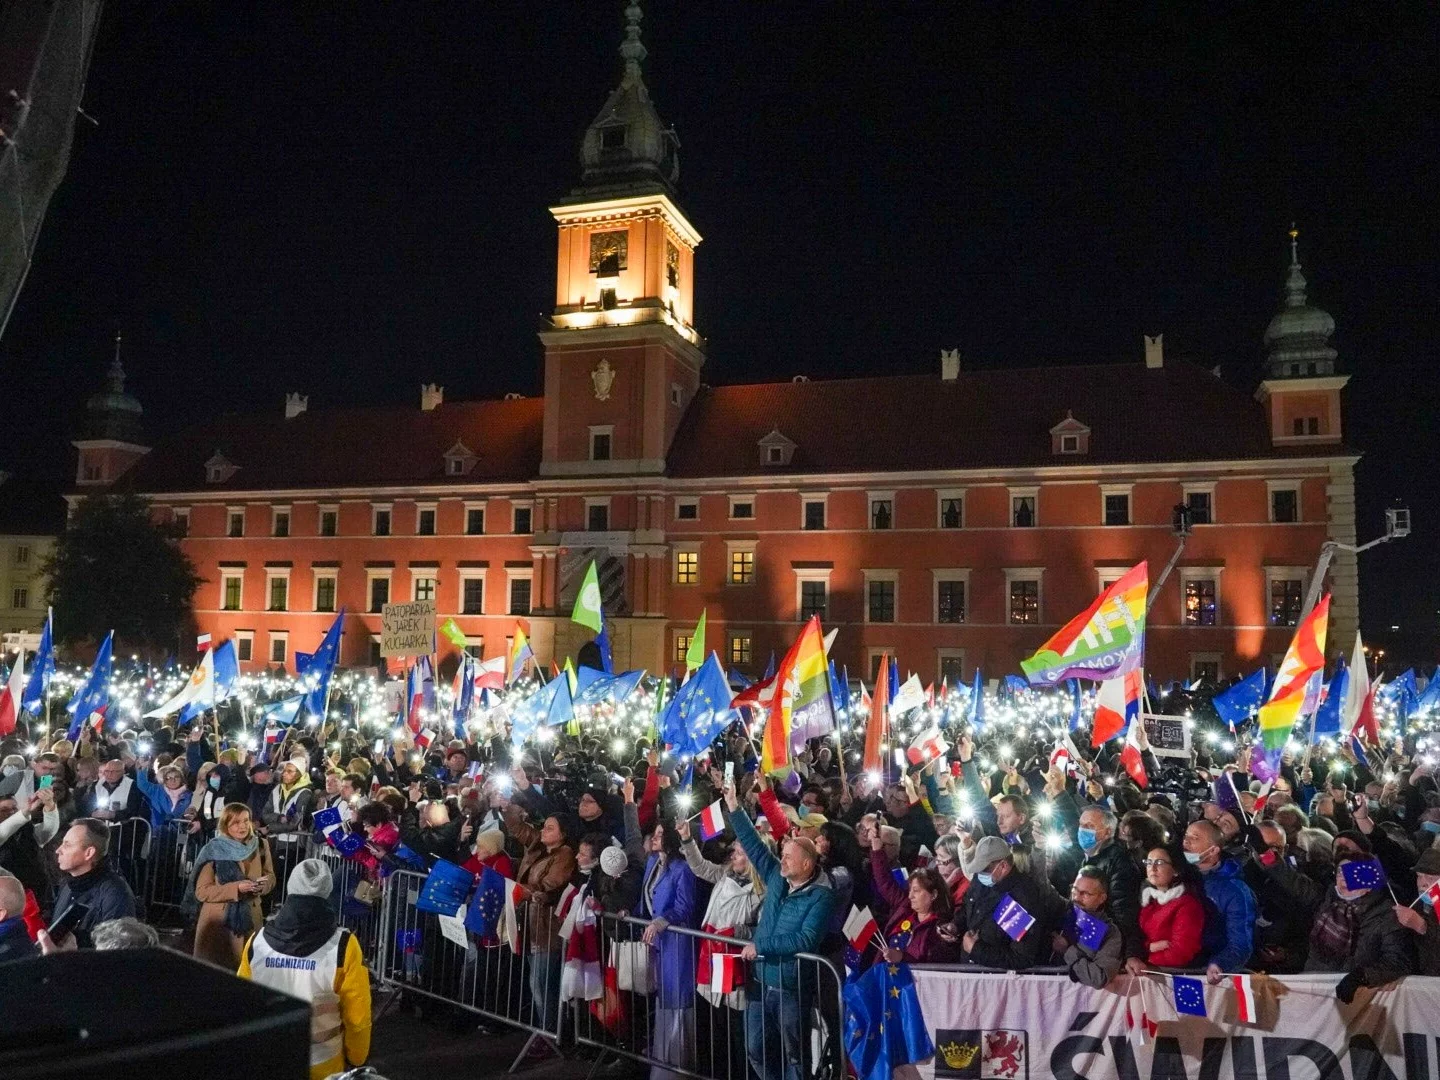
1336, 929
1152, 895
226, 855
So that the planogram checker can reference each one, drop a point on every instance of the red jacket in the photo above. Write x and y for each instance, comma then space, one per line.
1180, 922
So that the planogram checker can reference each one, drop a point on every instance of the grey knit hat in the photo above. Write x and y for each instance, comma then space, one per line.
311, 877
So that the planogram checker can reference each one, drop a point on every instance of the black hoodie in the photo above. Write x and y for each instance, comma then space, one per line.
303, 924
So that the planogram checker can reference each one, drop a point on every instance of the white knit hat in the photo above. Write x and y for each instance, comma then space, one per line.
613, 861
311, 877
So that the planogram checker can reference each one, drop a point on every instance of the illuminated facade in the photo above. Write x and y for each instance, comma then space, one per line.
955, 520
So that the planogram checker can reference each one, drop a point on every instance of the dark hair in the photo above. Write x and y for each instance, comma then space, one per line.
844, 847
931, 881
97, 834
1146, 832
595, 841
1094, 873
373, 813
669, 840
355, 780
820, 794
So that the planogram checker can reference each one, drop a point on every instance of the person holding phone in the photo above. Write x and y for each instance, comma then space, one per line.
232, 872
81, 857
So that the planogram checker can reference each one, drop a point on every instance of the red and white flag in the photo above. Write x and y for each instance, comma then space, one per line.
202, 642
712, 821
1116, 701
1245, 1009
724, 972
926, 747
423, 739
1434, 894
509, 929
490, 674
10, 696
1131, 756
1261, 799
860, 928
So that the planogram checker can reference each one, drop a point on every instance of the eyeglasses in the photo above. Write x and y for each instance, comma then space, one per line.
1156, 862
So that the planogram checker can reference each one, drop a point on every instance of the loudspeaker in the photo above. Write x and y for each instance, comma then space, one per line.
145, 1013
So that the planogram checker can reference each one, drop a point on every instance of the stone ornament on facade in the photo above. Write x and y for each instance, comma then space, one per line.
604, 378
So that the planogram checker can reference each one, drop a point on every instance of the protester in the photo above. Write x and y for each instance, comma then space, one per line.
1423, 923
81, 856
232, 872
1089, 963
15, 943
545, 869
1172, 915
918, 910
1229, 936
124, 933
169, 800
301, 952
995, 881
115, 796
667, 898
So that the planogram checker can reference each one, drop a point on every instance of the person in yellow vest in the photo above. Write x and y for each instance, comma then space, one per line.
303, 953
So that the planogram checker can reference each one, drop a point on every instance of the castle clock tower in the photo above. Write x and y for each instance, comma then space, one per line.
622, 356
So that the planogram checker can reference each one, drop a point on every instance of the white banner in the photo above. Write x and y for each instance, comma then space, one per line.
1019, 1027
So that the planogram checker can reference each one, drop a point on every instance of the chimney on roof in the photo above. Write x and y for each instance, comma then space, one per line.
949, 364
295, 404
1155, 351
431, 396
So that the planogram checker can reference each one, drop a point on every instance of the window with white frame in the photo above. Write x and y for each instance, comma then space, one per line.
950, 666
1022, 596
882, 510
1205, 667
380, 520
422, 587
235, 522
472, 592
474, 519
1285, 503
520, 519
232, 590
687, 564
280, 521
1200, 596
1200, 501
519, 590
951, 508
1285, 594
244, 645
740, 559
325, 590
329, 521
812, 593
277, 590
687, 509
378, 589
742, 507
881, 600
425, 520
740, 648
1024, 507
1115, 505
812, 511
279, 646
601, 438
597, 514
952, 589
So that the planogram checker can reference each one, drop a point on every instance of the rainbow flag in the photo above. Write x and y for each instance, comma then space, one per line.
803, 705
1105, 641
1304, 657
520, 652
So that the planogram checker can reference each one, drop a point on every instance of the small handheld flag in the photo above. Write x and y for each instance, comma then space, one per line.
860, 928
1011, 917
712, 821
724, 972
1245, 1010
1089, 930
1363, 874
1189, 995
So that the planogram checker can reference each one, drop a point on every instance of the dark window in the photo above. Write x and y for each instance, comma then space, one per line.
376, 660
282, 523
950, 670
522, 519
1286, 598
814, 514
277, 649
379, 593
325, 594
382, 522
597, 518
425, 524
880, 599
231, 601
952, 513
1117, 509
950, 601
600, 446
472, 596
742, 510
687, 511
1206, 671
1024, 601
882, 513
1312, 425
519, 596
1198, 503
328, 523
813, 595
1200, 602
1297, 426
182, 528
1022, 511
244, 648
1285, 504
475, 521
613, 137
235, 523
279, 593
775, 455
875, 667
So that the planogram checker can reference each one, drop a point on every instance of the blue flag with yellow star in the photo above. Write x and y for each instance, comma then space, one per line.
699, 711
884, 1027
482, 917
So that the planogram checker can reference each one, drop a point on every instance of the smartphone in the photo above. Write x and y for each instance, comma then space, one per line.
379, 747
729, 773
65, 923
45, 781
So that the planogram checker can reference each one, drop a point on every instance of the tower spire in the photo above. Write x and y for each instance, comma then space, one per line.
116, 377
631, 49
1295, 283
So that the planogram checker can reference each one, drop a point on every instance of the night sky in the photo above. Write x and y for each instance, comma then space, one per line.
348, 199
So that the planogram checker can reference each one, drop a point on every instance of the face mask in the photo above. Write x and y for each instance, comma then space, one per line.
1011, 838
1347, 895
1430, 826
585, 868
985, 879
1425, 899
1192, 858
214, 783
1086, 838
1372, 805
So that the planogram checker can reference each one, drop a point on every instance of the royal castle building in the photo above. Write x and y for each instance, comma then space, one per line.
968, 516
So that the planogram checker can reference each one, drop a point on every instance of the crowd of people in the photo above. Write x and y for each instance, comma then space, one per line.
1190, 873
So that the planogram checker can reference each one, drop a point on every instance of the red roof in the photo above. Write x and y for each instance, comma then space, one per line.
983, 419
350, 448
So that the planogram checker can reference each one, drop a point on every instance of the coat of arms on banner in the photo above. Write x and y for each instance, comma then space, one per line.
989, 1054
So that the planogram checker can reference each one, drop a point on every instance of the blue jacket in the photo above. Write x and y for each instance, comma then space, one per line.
675, 953
161, 812
104, 892
792, 920
1229, 936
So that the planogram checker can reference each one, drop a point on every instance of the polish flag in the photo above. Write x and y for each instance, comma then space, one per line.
712, 821
10, 696
202, 643
510, 925
1262, 798
1245, 1009
724, 971
1116, 701
1434, 893
423, 739
1131, 756
928, 746
490, 675
860, 928
1065, 754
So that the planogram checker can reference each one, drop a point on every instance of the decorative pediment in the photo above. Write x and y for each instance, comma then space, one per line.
219, 468
1069, 436
776, 449
460, 459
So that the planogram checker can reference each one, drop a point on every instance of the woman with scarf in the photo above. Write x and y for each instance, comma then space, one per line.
232, 872
169, 800
733, 910
1172, 913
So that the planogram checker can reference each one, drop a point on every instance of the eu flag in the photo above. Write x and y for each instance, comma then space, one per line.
315, 676
884, 1027
349, 844
482, 918
1238, 703
616, 688
33, 699
977, 705
1327, 717
699, 711
1363, 874
94, 696
1089, 930
445, 889
1189, 995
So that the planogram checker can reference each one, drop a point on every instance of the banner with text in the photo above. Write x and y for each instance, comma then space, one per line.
1019, 1027
407, 629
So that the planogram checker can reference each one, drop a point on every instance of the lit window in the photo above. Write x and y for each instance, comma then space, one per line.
742, 567
682, 646
740, 649
1200, 608
424, 588
1024, 601
687, 567
1287, 597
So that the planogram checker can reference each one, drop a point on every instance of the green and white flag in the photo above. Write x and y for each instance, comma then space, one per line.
587, 603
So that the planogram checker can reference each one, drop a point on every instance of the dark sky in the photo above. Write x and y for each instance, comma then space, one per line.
347, 199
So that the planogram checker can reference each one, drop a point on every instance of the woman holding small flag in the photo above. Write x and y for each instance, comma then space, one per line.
917, 911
